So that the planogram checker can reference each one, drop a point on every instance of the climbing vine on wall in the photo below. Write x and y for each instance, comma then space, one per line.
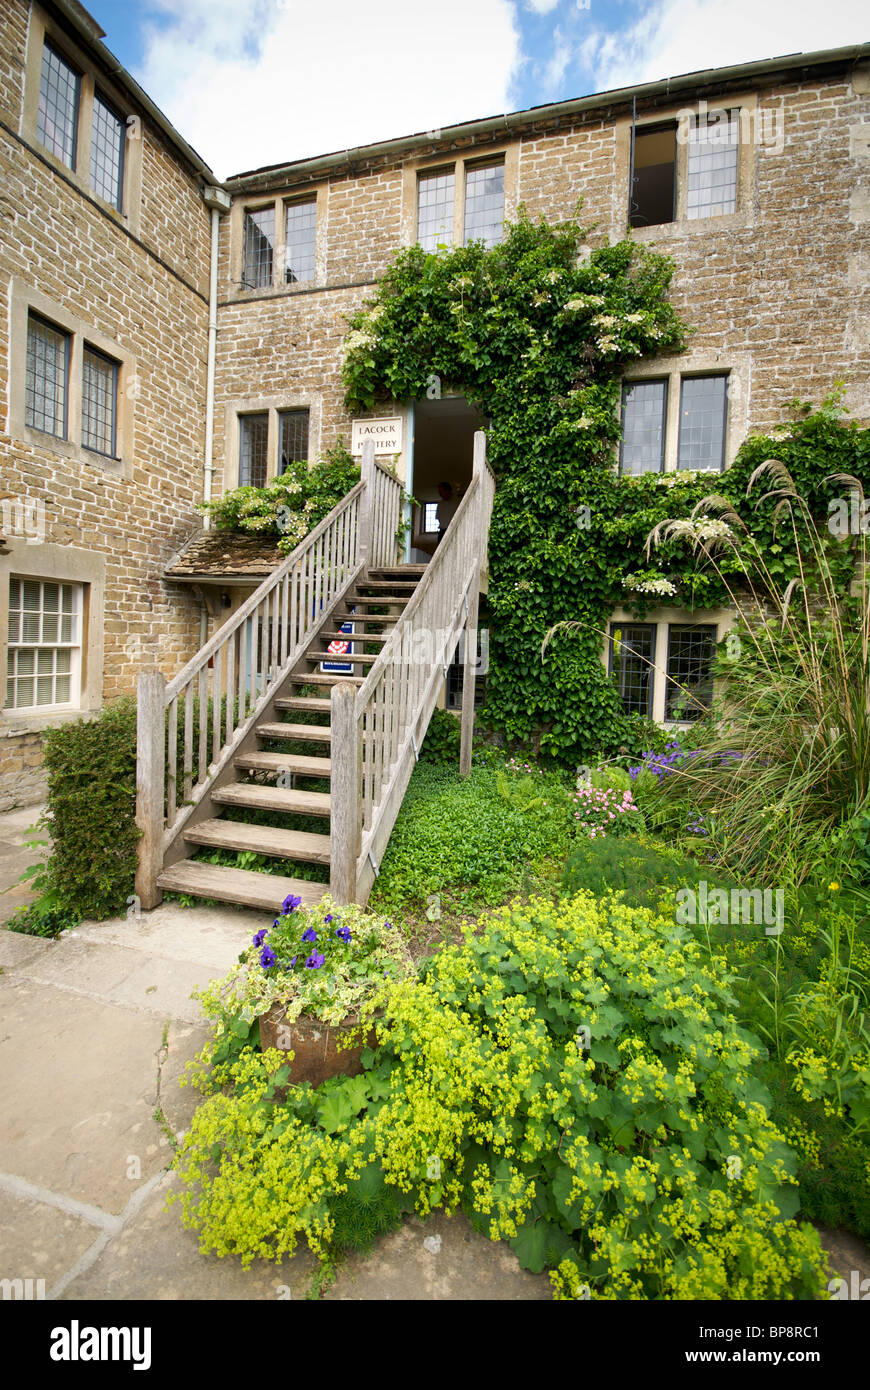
537, 332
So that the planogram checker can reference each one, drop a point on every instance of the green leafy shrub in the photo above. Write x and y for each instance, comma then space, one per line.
460, 838
91, 772
643, 869
637, 1156
572, 1077
443, 737
293, 504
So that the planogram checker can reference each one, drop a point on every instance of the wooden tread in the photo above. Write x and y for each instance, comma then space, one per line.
353, 636
261, 839
266, 891
368, 601
312, 703
290, 762
323, 677
273, 799
312, 733
340, 656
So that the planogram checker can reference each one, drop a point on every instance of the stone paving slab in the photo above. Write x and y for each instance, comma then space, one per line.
78, 1089
155, 1258
441, 1258
38, 1241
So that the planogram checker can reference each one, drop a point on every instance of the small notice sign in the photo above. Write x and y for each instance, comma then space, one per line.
386, 433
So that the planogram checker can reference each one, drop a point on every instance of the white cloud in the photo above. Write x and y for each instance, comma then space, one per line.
541, 6
678, 36
257, 82
557, 66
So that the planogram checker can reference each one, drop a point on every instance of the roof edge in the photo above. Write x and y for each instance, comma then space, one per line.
517, 120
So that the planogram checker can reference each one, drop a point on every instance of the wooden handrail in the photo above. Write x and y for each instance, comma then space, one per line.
242, 614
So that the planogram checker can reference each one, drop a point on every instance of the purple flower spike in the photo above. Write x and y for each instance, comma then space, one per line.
309, 935
290, 903
314, 961
261, 936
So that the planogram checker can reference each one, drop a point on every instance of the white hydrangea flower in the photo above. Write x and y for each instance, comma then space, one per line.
662, 587
634, 318
604, 320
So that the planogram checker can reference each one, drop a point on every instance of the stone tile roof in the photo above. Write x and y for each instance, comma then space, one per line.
224, 555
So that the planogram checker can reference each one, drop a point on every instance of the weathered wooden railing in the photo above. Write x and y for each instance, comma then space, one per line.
190, 729
377, 729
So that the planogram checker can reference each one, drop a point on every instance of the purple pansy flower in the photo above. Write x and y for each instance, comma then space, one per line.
309, 935
314, 961
343, 933
327, 918
267, 957
261, 936
290, 903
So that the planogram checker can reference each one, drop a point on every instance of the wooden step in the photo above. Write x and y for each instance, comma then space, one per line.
366, 601
289, 762
323, 677
273, 799
344, 657
311, 733
313, 704
261, 839
266, 891
353, 636
387, 570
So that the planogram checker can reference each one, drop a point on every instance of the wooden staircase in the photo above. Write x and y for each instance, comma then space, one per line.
254, 748
373, 605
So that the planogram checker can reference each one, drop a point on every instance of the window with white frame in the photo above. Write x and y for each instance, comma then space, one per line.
697, 442
99, 402
431, 524
46, 392
108, 139
43, 654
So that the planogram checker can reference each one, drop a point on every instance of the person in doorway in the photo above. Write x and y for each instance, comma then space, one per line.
446, 507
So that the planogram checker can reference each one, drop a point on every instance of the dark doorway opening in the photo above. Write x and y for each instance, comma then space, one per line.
443, 453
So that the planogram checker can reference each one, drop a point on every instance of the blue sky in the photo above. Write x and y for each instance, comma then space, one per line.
255, 82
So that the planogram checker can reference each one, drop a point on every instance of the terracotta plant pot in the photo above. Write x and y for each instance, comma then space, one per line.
315, 1045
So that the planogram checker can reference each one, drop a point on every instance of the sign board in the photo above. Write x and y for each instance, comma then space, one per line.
386, 433
340, 647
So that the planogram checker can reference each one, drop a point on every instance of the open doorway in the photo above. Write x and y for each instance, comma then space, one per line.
443, 452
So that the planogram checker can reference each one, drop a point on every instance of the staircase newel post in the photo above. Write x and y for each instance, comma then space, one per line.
367, 503
150, 779
345, 812
470, 630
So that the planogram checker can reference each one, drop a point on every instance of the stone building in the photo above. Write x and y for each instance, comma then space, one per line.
166, 337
